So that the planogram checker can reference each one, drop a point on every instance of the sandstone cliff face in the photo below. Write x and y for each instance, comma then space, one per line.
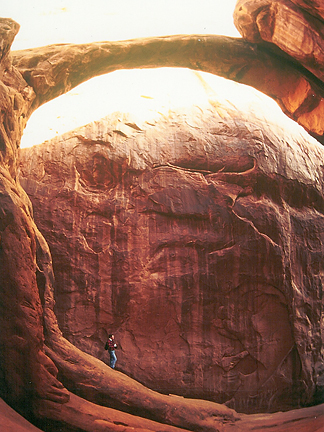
220, 225
196, 239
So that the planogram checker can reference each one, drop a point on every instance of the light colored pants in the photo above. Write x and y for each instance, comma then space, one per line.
113, 359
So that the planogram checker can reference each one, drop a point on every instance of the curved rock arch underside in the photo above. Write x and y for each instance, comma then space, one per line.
232, 207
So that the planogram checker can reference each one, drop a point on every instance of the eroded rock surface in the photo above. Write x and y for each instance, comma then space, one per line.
28, 377
196, 239
297, 28
287, 25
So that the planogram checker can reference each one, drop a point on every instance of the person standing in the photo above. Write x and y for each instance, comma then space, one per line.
112, 346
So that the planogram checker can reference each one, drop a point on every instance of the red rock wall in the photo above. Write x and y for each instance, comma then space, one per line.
171, 281
295, 27
197, 240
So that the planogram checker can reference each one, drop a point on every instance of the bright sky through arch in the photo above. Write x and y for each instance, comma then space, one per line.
140, 91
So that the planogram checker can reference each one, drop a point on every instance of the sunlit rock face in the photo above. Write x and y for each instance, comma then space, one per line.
197, 238
297, 28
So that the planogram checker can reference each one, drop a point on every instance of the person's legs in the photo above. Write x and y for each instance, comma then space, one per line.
113, 359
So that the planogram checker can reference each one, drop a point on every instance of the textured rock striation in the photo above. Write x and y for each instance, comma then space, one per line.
291, 26
196, 239
296, 28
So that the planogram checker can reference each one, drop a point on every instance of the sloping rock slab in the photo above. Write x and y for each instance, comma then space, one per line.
11, 421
